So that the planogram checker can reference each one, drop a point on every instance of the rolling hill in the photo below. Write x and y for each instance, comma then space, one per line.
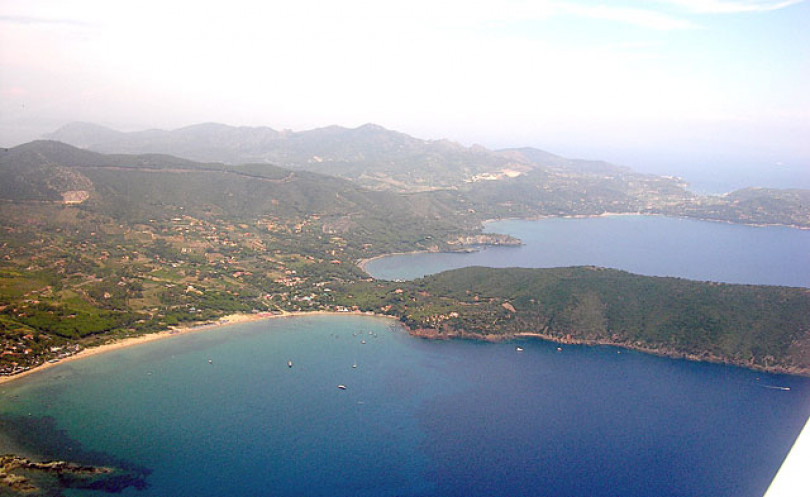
762, 327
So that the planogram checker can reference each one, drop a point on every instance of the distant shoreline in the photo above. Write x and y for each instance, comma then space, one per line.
362, 263
673, 216
124, 343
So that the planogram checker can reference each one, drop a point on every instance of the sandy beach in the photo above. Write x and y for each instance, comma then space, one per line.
162, 335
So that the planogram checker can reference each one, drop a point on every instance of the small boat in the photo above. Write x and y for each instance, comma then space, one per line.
362, 341
559, 349
210, 361
518, 349
774, 387
342, 387
354, 366
289, 364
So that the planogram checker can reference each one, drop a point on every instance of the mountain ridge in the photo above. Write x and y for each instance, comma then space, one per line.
370, 154
519, 182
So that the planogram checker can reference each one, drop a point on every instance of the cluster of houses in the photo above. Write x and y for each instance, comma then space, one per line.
19, 356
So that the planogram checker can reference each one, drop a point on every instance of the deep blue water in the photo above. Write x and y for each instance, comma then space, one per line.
426, 418
649, 245
418, 418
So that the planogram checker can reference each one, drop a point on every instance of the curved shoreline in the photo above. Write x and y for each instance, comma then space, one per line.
656, 214
429, 334
432, 334
123, 343
362, 263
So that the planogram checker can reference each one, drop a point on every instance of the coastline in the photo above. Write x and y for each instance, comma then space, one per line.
429, 334
659, 214
361, 263
124, 343
432, 334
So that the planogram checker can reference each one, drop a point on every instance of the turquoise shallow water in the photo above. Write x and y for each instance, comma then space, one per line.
649, 245
418, 418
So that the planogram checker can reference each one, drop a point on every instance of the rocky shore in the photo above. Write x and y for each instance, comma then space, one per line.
11, 466
434, 334
24, 476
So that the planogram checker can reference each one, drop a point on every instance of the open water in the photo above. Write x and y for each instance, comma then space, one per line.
417, 418
649, 245
423, 418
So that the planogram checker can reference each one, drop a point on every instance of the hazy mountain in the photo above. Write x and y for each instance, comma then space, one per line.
542, 158
85, 135
513, 182
136, 188
202, 142
370, 154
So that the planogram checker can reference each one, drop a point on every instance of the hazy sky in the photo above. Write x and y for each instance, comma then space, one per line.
623, 79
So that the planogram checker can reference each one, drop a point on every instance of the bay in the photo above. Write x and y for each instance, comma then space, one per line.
422, 418
417, 418
647, 245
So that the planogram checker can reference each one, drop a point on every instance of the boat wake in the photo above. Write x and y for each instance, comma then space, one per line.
774, 387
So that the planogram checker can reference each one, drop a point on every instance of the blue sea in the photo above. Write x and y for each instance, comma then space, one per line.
417, 418
648, 245
219, 413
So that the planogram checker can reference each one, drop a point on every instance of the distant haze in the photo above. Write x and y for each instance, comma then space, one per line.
668, 86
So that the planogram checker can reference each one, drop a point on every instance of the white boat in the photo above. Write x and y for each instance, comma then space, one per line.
342, 387
519, 349
289, 364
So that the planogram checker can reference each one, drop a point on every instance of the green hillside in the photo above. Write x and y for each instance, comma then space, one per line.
137, 189
753, 326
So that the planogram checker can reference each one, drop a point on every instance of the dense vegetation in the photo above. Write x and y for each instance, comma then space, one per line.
95, 246
756, 326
